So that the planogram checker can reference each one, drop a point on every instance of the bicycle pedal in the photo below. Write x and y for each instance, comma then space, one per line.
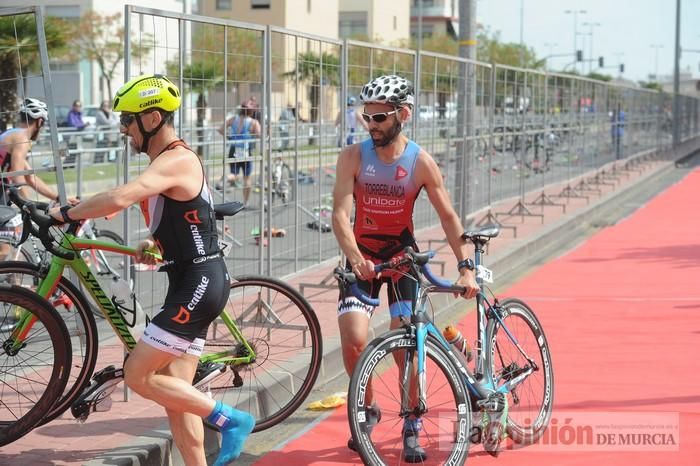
96, 397
206, 373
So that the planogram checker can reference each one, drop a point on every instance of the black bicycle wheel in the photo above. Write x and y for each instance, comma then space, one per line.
33, 374
285, 334
530, 401
447, 414
75, 311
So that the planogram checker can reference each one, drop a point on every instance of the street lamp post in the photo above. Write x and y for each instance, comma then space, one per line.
656, 60
575, 14
551, 45
591, 25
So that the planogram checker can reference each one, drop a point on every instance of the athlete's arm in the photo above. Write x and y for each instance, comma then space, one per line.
428, 175
224, 125
170, 173
19, 161
347, 167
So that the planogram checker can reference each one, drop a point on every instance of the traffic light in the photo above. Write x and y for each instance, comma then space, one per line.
579, 55
622, 67
600, 62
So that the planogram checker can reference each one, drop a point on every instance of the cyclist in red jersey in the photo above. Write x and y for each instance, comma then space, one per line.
177, 205
384, 176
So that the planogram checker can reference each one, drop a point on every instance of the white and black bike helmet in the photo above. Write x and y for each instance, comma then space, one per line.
34, 108
388, 89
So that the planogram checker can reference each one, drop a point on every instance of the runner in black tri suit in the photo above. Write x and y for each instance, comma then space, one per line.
177, 205
384, 175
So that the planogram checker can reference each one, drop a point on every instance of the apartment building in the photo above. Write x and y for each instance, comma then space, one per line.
439, 17
82, 79
379, 21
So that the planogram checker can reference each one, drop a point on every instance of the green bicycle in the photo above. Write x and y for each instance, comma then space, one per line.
262, 355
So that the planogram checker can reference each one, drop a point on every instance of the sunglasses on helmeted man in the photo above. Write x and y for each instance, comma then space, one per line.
125, 119
378, 117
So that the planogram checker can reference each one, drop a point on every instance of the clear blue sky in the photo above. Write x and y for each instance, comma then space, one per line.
626, 26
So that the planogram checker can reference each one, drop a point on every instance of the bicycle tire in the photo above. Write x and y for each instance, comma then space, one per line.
446, 424
38, 383
82, 330
502, 358
264, 392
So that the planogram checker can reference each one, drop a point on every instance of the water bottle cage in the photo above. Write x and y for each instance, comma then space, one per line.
129, 314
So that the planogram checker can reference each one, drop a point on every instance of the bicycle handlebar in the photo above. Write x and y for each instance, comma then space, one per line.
410, 257
32, 212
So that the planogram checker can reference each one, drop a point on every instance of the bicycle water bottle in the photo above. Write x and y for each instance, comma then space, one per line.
455, 338
125, 301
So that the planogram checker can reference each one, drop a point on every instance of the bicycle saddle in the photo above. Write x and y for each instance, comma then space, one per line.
481, 235
6, 214
228, 209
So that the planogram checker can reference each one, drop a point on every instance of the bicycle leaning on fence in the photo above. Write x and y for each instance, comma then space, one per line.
414, 371
262, 354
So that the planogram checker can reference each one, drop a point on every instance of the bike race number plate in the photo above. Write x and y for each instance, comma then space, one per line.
485, 274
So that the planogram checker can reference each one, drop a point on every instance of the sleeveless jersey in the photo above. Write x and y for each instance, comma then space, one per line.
384, 198
182, 230
240, 133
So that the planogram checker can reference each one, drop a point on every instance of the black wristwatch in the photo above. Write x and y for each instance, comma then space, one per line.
64, 214
465, 264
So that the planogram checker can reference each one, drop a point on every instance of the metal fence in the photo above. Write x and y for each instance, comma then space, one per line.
497, 132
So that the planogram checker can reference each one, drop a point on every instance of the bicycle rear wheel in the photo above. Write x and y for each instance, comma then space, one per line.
34, 373
285, 334
530, 401
377, 380
76, 312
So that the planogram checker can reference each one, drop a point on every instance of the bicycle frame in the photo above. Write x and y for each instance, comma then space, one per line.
112, 314
479, 383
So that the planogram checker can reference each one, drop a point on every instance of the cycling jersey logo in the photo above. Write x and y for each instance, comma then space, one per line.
370, 223
370, 171
183, 316
400, 173
192, 216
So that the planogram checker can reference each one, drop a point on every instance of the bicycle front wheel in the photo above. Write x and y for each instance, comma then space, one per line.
530, 400
378, 380
283, 331
33, 371
76, 312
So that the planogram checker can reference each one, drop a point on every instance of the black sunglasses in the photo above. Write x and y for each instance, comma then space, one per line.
125, 119
378, 117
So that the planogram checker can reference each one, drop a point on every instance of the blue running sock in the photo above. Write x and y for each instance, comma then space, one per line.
235, 426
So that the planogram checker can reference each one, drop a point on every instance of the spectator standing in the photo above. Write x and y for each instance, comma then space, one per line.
75, 116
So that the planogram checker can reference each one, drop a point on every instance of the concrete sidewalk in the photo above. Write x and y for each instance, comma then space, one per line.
136, 432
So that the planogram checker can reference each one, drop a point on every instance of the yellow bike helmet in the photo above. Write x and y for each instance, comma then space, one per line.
148, 91
145, 93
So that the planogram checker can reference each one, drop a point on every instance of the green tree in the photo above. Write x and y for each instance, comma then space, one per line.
19, 55
100, 38
316, 71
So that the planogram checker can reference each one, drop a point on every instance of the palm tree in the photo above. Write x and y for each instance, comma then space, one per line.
311, 71
19, 54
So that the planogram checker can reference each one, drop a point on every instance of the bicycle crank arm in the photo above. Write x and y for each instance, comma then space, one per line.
96, 397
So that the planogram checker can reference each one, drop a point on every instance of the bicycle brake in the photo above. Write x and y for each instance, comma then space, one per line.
97, 396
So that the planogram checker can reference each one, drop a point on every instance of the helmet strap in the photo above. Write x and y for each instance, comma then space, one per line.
147, 135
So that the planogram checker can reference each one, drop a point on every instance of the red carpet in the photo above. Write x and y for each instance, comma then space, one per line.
621, 315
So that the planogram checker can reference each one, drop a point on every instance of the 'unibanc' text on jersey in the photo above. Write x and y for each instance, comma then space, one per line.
183, 230
384, 198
